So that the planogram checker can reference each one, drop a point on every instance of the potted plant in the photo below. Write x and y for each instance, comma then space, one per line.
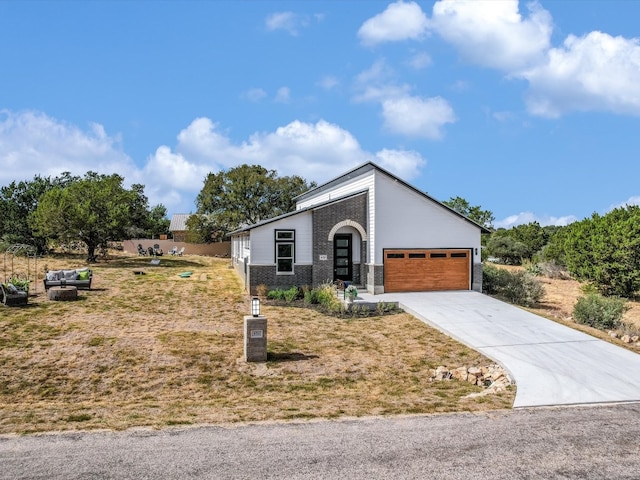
351, 293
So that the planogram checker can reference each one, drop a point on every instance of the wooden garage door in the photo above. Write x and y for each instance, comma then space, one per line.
426, 270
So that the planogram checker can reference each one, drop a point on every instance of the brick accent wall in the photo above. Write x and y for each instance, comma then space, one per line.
266, 274
324, 219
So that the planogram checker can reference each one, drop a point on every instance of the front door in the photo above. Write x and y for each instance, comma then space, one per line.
342, 265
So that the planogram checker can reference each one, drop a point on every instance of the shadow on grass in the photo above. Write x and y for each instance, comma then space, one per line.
288, 357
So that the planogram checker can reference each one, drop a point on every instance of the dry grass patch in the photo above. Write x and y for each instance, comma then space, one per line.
157, 350
560, 298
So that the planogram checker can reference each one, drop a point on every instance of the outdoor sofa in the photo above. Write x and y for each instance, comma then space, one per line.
79, 278
11, 296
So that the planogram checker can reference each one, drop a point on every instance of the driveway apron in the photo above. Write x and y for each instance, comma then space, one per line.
550, 363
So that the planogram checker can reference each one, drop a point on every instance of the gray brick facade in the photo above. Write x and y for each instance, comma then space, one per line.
324, 219
266, 275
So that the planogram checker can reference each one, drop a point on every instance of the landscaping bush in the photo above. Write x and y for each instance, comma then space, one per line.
604, 313
520, 288
493, 278
523, 289
289, 295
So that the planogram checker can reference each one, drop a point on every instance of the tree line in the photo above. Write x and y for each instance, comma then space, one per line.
96, 209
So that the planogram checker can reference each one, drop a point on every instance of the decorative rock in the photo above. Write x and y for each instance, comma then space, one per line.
626, 338
460, 373
635, 338
613, 334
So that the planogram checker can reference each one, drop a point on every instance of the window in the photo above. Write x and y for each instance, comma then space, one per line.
395, 255
417, 255
285, 249
458, 254
438, 255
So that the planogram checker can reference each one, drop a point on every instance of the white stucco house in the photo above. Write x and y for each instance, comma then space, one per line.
367, 227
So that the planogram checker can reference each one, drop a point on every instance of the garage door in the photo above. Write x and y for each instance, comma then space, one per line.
427, 270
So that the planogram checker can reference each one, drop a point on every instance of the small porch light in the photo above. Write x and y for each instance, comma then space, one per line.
255, 306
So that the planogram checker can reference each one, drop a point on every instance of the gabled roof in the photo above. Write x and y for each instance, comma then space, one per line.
179, 222
368, 166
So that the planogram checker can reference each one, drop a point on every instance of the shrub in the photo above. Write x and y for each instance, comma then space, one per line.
523, 289
311, 296
520, 288
262, 290
291, 294
276, 294
327, 297
600, 312
493, 278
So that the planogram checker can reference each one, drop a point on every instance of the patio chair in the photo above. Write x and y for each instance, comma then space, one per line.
141, 251
157, 251
173, 251
180, 252
150, 251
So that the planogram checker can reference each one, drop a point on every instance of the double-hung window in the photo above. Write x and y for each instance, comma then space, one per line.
285, 250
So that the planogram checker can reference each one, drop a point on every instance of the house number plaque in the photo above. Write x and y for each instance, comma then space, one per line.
256, 333
323, 257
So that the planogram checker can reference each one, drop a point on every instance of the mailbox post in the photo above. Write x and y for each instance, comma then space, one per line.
255, 334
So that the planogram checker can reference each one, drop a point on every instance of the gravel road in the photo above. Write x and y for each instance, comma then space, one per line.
600, 442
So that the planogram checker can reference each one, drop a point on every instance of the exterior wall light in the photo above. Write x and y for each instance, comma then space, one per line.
255, 306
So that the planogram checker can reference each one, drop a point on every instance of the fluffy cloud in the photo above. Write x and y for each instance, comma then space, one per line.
288, 21
528, 217
316, 151
400, 21
417, 117
594, 72
34, 143
403, 113
494, 34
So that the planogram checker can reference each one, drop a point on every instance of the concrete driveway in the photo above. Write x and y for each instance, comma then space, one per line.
550, 363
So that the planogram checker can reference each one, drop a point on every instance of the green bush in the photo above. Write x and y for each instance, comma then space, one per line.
600, 312
520, 288
523, 289
493, 278
289, 295
327, 298
311, 296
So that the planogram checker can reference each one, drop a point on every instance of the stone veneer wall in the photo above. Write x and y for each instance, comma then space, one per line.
324, 219
476, 282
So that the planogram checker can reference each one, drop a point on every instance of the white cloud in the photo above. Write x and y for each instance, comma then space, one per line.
631, 201
316, 151
400, 21
493, 33
283, 95
420, 61
288, 21
254, 94
405, 164
328, 82
529, 217
596, 72
33, 143
417, 117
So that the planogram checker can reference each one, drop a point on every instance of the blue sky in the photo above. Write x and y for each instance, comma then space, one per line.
530, 110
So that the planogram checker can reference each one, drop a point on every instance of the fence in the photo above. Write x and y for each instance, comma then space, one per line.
218, 249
